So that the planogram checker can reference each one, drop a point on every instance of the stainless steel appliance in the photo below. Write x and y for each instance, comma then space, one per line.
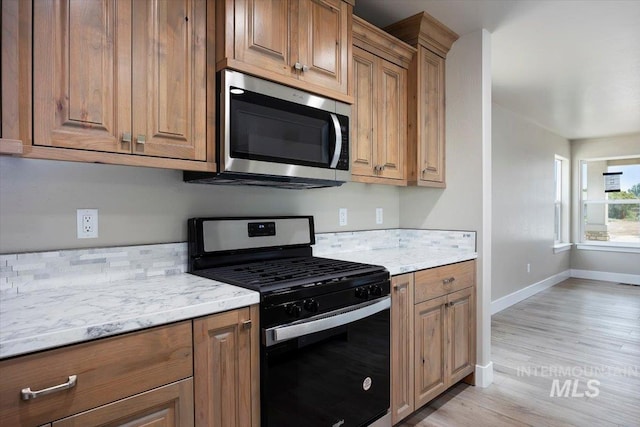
325, 324
275, 135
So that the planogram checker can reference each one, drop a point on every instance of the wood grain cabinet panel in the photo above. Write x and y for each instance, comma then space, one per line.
426, 108
402, 370
379, 114
300, 43
121, 76
433, 334
107, 370
226, 358
167, 406
430, 350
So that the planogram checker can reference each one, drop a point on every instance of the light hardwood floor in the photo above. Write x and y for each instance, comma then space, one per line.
589, 328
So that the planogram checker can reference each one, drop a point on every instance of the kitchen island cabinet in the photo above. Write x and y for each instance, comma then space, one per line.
300, 43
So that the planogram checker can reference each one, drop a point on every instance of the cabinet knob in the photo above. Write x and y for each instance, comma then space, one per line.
448, 281
141, 139
246, 324
305, 68
297, 66
126, 137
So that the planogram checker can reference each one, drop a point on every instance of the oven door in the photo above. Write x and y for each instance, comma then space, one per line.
331, 370
271, 129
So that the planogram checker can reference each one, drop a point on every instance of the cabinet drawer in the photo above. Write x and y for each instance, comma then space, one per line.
439, 281
107, 370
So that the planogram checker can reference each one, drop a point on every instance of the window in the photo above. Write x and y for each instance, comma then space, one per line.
561, 204
610, 202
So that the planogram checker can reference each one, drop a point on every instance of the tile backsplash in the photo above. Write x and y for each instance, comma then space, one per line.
24, 271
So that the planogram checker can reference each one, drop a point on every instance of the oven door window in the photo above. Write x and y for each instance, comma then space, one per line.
269, 129
335, 377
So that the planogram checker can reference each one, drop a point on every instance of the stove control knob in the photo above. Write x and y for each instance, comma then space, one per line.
375, 290
311, 305
362, 293
293, 310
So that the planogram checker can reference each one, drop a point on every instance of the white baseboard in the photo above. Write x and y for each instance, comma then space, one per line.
522, 294
633, 279
484, 375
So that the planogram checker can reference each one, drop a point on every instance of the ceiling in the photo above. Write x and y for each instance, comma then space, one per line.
571, 66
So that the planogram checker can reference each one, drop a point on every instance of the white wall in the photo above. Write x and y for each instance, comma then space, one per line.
39, 198
523, 203
465, 203
597, 148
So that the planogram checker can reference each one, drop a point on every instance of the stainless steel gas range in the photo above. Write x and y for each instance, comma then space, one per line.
325, 324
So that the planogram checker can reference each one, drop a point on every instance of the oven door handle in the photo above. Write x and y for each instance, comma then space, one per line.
338, 146
325, 321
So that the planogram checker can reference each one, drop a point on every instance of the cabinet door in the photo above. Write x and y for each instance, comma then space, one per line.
167, 406
461, 334
430, 350
169, 78
431, 125
363, 113
82, 74
322, 31
392, 117
226, 369
262, 34
402, 369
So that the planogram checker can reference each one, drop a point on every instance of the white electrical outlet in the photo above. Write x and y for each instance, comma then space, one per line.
379, 219
87, 223
528, 268
342, 216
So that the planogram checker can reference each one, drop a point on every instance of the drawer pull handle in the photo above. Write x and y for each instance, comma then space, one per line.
449, 280
27, 394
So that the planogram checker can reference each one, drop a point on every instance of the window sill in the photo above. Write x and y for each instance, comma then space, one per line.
562, 247
610, 247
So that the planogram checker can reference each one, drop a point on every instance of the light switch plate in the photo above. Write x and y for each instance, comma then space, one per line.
342, 216
379, 218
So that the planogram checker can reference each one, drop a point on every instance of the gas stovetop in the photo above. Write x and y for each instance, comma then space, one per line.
277, 274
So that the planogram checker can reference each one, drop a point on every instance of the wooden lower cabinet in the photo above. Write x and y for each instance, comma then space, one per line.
203, 372
402, 372
433, 340
167, 406
226, 369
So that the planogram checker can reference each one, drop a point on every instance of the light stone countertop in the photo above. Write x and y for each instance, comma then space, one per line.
406, 260
49, 315
52, 316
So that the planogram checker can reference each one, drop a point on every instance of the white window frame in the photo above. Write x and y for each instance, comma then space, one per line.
594, 245
561, 198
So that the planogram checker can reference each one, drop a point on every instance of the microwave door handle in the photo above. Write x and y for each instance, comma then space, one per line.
338, 145
325, 321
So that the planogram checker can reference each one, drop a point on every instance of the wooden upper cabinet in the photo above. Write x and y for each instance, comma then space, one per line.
426, 86
82, 78
379, 113
301, 43
169, 78
121, 76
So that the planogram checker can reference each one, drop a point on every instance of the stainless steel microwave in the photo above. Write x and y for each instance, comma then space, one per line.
275, 135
